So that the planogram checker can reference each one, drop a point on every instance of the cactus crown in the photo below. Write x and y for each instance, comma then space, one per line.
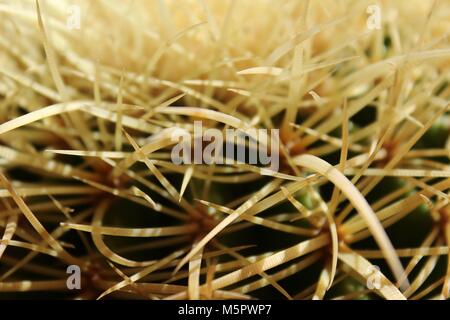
92, 94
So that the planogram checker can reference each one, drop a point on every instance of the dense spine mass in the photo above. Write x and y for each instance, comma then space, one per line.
352, 201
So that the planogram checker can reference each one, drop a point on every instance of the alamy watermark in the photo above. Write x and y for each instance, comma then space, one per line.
230, 146
73, 281
73, 20
373, 22
374, 278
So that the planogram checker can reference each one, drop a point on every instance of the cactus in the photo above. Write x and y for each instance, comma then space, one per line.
92, 94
